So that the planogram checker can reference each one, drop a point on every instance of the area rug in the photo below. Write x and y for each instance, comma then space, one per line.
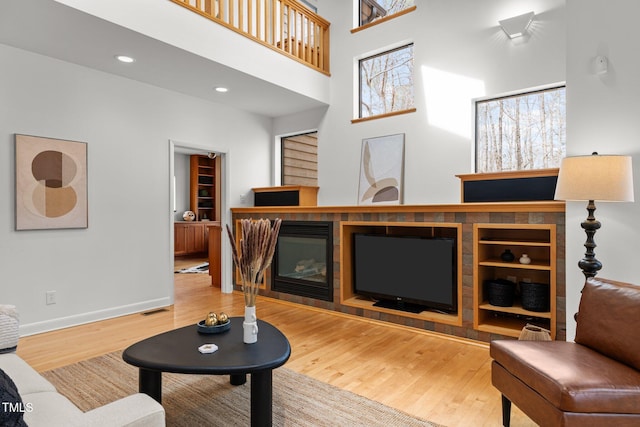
198, 400
201, 268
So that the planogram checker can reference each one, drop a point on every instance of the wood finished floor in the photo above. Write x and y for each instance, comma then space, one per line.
442, 379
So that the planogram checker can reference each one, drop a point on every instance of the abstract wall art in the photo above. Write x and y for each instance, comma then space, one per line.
381, 170
51, 183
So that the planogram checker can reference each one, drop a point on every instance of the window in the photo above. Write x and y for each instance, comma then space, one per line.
371, 10
300, 160
386, 82
521, 132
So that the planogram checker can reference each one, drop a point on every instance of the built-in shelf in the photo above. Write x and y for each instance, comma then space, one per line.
203, 187
515, 309
349, 298
490, 241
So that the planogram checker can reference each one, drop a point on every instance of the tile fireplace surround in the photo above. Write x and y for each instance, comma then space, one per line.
461, 216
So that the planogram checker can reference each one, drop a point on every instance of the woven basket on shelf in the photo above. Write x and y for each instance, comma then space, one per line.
535, 296
501, 292
534, 333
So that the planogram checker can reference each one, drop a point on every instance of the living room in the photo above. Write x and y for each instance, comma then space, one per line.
122, 263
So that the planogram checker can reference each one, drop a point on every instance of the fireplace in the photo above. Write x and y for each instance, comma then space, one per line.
303, 260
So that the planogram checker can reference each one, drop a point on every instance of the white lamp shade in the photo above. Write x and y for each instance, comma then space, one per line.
595, 177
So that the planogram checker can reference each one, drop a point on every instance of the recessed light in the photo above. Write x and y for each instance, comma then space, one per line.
125, 59
221, 89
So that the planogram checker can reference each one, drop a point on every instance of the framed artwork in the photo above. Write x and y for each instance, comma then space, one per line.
51, 183
381, 170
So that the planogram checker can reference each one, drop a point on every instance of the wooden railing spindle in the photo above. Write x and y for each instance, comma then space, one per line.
283, 25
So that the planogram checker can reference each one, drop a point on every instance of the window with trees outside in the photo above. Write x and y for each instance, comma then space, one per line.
521, 132
372, 10
386, 82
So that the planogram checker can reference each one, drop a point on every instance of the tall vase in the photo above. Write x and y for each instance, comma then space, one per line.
250, 325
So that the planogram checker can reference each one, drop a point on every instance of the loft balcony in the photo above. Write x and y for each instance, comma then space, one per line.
285, 26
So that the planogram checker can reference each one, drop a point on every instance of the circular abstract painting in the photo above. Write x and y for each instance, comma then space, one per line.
51, 188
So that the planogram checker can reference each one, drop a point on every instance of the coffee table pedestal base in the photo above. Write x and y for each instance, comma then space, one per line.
150, 383
261, 399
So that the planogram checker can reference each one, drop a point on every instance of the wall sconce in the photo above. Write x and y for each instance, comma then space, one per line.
517, 26
591, 178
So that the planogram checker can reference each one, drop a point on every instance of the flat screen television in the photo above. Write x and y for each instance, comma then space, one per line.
406, 272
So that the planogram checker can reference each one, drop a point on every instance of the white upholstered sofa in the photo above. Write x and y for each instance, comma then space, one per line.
41, 405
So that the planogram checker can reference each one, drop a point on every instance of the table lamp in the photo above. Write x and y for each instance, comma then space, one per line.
604, 178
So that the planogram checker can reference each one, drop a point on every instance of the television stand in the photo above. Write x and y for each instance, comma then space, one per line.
400, 305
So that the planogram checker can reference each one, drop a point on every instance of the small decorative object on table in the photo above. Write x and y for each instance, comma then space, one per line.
214, 323
211, 320
208, 348
507, 256
524, 259
252, 257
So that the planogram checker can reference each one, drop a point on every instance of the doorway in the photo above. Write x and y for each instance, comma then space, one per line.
180, 198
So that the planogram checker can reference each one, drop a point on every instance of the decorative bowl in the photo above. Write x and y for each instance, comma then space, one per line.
215, 329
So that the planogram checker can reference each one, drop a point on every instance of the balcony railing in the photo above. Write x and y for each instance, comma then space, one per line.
283, 25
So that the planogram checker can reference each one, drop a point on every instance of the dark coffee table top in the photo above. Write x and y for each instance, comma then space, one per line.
177, 351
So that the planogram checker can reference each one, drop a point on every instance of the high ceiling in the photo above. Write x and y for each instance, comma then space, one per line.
58, 31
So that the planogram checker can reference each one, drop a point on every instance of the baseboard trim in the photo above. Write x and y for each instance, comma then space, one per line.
92, 316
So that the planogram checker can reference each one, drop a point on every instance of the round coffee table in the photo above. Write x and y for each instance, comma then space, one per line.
177, 351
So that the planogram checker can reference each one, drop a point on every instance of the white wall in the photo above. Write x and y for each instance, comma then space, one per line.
122, 262
602, 116
177, 26
460, 53
182, 167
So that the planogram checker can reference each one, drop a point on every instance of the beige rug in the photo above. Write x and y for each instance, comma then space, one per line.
197, 400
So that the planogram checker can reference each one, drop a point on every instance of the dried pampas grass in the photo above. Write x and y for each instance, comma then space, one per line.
254, 253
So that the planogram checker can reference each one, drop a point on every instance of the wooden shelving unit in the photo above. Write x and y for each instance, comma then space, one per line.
490, 241
203, 187
347, 294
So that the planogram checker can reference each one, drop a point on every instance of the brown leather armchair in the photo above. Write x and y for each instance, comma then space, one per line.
594, 381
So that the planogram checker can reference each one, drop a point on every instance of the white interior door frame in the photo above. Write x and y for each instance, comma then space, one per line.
225, 250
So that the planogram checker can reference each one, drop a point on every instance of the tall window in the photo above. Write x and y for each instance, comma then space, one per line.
386, 82
300, 160
370, 10
521, 132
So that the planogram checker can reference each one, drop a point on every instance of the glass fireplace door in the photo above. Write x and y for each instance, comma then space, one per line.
303, 259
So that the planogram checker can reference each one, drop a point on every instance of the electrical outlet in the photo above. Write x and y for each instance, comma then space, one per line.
51, 297
243, 198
